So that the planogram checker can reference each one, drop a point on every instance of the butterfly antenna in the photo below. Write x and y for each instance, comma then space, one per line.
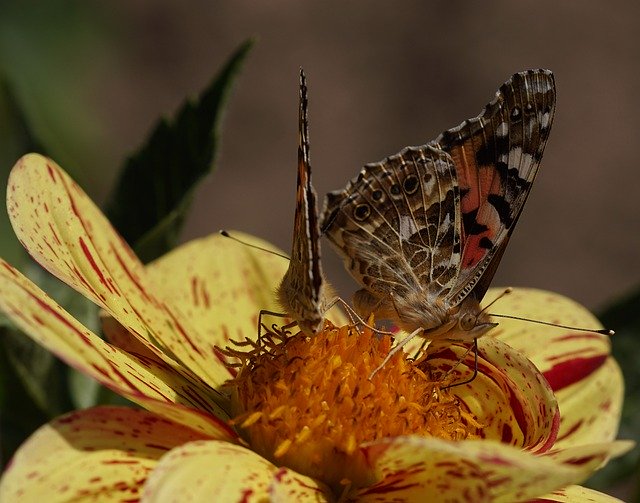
507, 291
603, 331
227, 235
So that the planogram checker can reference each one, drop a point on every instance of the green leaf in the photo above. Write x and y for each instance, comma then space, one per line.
155, 189
15, 140
623, 316
19, 415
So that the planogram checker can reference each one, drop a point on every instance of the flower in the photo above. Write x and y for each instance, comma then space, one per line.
526, 429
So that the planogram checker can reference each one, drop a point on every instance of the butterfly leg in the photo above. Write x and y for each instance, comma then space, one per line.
417, 353
395, 349
353, 314
475, 367
264, 312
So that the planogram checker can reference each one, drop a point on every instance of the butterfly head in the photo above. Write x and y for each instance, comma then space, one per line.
465, 322
470, 322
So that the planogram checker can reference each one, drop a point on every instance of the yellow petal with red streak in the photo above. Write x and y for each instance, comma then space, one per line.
509, 397
586, 380
429, 469
288, 486
67, 234
576, 494
221, 284
224, 284
210, 471
146, 381
103, 453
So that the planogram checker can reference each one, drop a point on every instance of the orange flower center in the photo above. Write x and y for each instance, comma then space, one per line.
307, 402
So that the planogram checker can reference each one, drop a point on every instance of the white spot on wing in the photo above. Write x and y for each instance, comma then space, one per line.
407, 227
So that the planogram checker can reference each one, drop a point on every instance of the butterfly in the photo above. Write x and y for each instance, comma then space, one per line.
423, 230
304, 293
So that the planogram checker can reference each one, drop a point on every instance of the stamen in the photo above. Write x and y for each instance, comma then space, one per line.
308, 403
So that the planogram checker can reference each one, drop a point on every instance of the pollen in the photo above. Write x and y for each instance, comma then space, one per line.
308, 403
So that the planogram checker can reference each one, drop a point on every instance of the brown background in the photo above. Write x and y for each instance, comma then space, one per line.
383, 75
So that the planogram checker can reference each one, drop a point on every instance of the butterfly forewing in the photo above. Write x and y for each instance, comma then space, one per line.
301, 289
497, 155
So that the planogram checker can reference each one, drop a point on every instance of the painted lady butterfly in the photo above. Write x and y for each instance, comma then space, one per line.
423, 231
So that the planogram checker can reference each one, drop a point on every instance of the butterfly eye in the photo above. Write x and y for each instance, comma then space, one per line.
410, 184
361, 212
467, 322
515, 113
395, 190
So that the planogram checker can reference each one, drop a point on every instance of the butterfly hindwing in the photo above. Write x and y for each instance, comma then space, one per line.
397, 223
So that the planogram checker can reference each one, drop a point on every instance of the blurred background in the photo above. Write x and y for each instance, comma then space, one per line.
93, 77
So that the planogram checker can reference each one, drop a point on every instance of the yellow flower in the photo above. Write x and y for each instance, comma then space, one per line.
313, 428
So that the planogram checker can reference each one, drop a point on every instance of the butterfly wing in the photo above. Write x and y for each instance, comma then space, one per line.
496, 156
397, 224
301, 291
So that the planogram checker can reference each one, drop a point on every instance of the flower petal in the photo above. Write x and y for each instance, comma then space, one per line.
576, 494
140, 379
68, 235
191, 275
289, 486
576, 364
221, 284
101, 453
522, 410
210, 471
591, 409
548, 346
430, 469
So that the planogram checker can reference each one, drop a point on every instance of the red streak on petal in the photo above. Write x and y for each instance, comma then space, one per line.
571, 430
9, 268
52, 173
579, 336
156, 446
205, 295
498, 482
94, 265
131, 276
496, 460
571, 371
246, 494
581, 461
54, 234
553, 435
507, 434
194, 290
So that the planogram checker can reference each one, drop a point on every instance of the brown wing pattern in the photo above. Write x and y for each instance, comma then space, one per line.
497, 155
397, 224
301, 291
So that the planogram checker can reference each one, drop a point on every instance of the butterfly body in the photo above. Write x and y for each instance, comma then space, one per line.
423, 230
